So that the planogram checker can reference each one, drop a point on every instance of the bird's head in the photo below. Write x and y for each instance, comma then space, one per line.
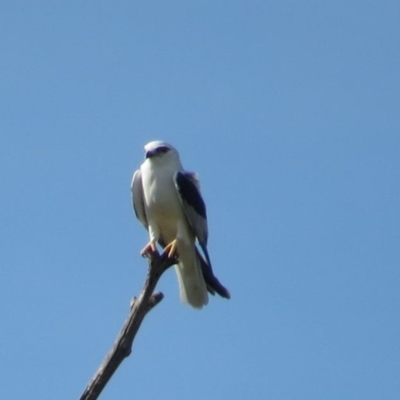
159, 151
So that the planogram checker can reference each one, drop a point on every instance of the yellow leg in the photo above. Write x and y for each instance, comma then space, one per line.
149, 248
171, 249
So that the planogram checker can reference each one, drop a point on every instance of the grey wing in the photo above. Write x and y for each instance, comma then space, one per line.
212, 282
188, 188
138, 198
194, 207
193, 204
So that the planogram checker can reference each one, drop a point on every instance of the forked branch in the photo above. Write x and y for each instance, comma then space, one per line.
123, 345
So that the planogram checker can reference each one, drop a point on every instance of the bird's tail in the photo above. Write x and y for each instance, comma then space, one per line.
192, 287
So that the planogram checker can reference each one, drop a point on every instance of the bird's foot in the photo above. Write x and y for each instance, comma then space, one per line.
171, 249
149, 249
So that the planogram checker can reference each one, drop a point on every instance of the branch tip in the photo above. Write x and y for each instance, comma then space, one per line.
139, 307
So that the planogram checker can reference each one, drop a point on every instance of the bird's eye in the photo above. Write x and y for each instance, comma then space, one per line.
162, 149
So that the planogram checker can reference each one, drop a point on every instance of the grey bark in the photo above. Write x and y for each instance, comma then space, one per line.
122, 347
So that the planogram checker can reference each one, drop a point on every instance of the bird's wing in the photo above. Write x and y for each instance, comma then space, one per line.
188, 188
212, 282
138, 198
192, 203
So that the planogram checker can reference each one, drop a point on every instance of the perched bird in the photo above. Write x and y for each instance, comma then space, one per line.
167, 201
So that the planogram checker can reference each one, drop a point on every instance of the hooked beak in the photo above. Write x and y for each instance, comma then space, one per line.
150, 153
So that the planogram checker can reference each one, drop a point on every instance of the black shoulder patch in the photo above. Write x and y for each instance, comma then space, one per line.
190, 194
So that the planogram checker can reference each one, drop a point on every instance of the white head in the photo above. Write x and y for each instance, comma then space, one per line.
161, 152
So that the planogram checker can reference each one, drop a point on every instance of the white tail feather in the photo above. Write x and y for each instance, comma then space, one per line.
190, 278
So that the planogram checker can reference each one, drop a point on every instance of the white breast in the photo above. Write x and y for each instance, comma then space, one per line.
163, 207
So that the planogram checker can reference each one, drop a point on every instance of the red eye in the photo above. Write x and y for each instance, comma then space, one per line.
162, 149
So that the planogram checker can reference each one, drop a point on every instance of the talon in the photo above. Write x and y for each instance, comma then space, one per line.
149, 249
171, 249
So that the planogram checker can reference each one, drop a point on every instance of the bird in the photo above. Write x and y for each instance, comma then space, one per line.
167, 201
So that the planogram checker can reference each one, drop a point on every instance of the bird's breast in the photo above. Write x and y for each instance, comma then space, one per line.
162, 203
161, 197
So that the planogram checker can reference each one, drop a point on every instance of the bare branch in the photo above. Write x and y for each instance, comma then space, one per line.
122, 347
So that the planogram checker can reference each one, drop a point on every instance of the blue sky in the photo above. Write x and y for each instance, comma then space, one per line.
288, 111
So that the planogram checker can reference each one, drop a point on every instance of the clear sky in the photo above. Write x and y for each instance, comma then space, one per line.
290, 113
